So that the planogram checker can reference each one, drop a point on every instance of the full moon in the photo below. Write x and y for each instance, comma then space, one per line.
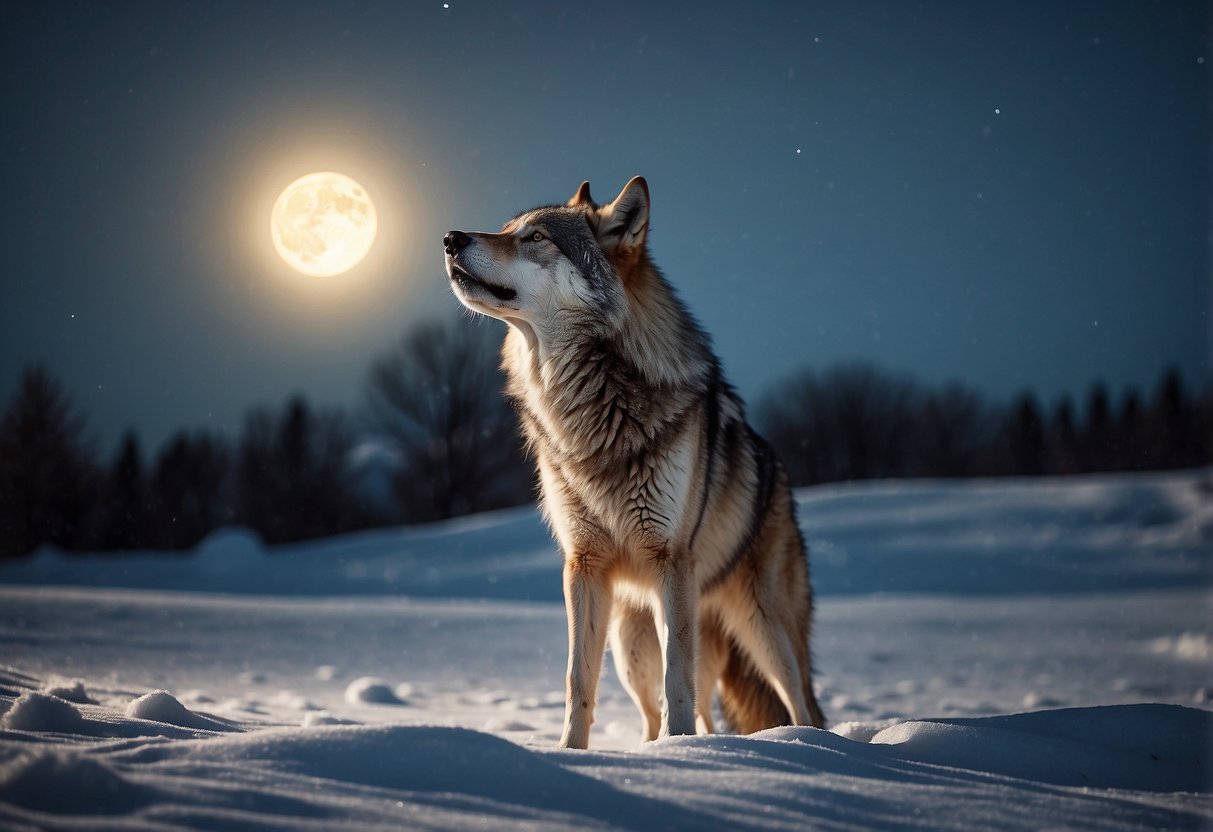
323, 224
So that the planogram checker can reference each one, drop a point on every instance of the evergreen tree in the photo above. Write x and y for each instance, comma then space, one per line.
1097, 449
292, 481
296, 475
48, 480
1027, 437
1133, 451
1173, 439
189, 490
312, 456
124, 523
257, 502
1063, 439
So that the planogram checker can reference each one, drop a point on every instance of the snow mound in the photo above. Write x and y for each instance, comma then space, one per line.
1092, 768
162, 706
1164, 748
35, 711
458, 769
313, 718
66, 782
229, 547
70, 691
370, 690
860, 731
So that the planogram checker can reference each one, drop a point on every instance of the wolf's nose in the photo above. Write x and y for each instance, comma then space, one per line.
455, 242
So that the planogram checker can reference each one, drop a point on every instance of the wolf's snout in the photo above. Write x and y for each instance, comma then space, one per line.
455, 242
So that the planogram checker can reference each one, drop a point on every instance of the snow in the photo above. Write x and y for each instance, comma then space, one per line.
41, 712
372, 690
1074, 535
72, 691
1002, 654
1132, 747
162, 706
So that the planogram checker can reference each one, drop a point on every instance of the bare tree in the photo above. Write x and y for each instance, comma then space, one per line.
953, 429
853, 422
437, 397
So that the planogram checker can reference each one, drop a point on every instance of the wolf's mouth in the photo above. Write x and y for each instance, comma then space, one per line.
466, 280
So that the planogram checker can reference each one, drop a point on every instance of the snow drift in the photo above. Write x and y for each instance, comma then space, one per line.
1008, 655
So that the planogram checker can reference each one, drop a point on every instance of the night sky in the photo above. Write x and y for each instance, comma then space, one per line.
1012, 197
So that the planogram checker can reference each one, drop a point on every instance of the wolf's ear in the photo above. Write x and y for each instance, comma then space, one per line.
623, 225
582, 197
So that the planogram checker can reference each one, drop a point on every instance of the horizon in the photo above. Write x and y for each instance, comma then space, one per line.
108, 447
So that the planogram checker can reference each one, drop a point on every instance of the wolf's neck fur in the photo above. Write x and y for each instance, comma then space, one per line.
588, 391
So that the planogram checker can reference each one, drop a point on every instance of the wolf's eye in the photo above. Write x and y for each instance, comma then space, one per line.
537, 237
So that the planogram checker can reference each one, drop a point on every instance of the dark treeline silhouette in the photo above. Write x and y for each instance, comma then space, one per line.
291, 475
48, 479
447, 444
433, 410
858, 422
285, 477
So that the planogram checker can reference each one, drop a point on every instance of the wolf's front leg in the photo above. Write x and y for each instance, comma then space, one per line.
677, 628
587, 601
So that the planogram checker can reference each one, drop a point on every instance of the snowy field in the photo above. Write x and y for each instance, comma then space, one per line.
1001, 654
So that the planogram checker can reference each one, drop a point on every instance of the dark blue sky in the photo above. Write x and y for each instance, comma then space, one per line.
1013, 197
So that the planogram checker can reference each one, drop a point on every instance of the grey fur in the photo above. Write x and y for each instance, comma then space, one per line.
675, 519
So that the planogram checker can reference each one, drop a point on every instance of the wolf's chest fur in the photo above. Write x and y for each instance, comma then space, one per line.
617, 452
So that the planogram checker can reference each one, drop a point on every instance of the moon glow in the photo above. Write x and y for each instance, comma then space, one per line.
323, 224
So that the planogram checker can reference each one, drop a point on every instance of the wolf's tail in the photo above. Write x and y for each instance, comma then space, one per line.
749, 704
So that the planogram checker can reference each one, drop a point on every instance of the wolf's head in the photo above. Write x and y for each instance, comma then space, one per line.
553, 266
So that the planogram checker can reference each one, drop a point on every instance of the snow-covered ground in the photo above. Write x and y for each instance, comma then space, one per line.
1002, 654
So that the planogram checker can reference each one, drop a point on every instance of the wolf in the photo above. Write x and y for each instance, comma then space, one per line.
674, 517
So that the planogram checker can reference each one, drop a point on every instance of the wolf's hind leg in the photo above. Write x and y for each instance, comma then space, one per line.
637, 656
766, 642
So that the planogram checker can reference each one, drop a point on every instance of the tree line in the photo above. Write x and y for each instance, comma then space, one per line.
434, 438
857, 422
